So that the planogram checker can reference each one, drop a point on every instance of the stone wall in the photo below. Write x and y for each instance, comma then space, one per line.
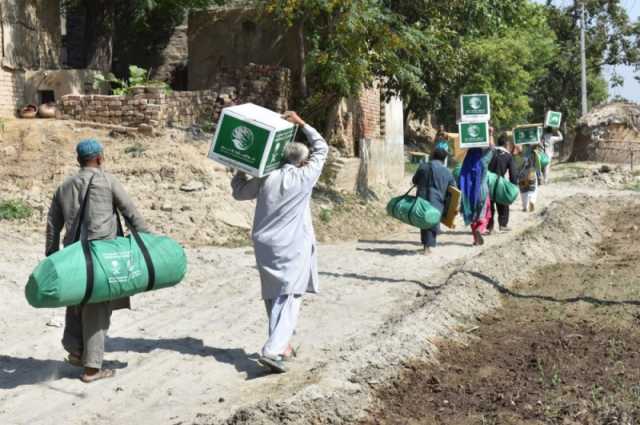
369, 108
262, 85
11, 91
31, 34
370, 128
31, 39
225, 39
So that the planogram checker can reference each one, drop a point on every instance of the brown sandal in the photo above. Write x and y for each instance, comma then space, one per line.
102, 374
74, 360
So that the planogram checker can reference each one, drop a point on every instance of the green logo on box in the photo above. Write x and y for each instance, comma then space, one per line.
553, 119
526, 135
242, 138
475, 105
241, 141
474, 135
281, 139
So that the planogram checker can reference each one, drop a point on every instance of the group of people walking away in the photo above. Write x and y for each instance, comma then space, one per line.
522, 164
87, 205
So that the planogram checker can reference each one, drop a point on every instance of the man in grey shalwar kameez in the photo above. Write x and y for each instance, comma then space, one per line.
283, 237
86, 326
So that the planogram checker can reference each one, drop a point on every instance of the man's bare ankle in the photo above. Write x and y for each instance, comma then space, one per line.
90, 371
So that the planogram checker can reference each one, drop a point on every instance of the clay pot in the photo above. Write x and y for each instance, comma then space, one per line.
47, 110
29, 111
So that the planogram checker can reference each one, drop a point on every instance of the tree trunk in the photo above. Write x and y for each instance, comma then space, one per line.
99, 27
302, 57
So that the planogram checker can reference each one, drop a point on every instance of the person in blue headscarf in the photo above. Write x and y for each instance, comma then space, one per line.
473, 183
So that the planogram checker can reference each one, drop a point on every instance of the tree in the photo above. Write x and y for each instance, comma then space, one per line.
349, 44
146, 21
456, 34
506, 67
611, 40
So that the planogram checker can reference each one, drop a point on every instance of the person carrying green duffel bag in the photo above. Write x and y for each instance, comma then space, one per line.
543, 159
502, 192
86, 206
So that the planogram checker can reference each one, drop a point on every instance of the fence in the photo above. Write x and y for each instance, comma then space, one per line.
619, 148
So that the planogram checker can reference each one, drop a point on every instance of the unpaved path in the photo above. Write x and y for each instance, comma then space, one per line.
187, 354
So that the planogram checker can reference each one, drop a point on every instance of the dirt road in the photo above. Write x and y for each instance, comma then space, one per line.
187, 355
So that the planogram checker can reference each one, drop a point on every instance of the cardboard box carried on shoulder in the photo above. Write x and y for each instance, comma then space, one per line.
553, 119
473, 134
475, 108
527, 134
251, 138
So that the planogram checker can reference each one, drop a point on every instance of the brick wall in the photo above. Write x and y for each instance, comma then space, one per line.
262, 85
369, 104
11, 91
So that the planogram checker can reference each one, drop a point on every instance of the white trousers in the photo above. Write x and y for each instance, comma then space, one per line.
546, 172
529, 197
283, 317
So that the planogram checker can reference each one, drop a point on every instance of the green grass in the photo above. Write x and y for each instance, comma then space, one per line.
326, 215
14, 210
635, 186
135, 151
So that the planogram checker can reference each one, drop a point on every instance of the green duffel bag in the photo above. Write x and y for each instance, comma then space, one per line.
501, 190
106, 270
413, 210
544, 159
457, 170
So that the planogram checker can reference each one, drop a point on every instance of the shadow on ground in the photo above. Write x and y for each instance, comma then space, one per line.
237, 357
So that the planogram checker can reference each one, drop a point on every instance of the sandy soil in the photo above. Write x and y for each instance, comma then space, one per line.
178, 190
187, 355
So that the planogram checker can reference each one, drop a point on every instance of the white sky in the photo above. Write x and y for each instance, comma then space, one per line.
631, 88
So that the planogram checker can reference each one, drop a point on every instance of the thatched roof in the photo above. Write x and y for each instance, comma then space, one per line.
627, 114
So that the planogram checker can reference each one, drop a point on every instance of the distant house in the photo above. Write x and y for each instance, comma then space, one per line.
609, 133
31, 70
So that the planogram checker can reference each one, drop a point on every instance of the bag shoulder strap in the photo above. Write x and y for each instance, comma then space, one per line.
86, 247
145, 254
83, 209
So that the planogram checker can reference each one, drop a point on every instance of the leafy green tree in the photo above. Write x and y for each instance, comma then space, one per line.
144, 25
347, 45
508, 64
610, 39
448, 27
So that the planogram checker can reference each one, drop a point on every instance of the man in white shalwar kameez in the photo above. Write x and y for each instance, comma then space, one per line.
283, 237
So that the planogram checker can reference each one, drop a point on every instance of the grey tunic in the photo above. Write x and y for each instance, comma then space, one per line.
283, 235
106, 195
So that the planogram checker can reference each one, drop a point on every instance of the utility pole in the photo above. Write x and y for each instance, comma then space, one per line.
583, 58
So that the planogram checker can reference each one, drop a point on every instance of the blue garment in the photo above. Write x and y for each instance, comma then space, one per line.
88, 148
473, 184
433, 180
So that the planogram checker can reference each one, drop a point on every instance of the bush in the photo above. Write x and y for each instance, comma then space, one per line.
14, 210
135, 151
325, 215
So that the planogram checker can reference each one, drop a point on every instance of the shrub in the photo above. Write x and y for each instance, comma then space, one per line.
14, 210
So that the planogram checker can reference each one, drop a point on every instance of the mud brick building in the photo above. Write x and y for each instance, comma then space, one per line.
31, 40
